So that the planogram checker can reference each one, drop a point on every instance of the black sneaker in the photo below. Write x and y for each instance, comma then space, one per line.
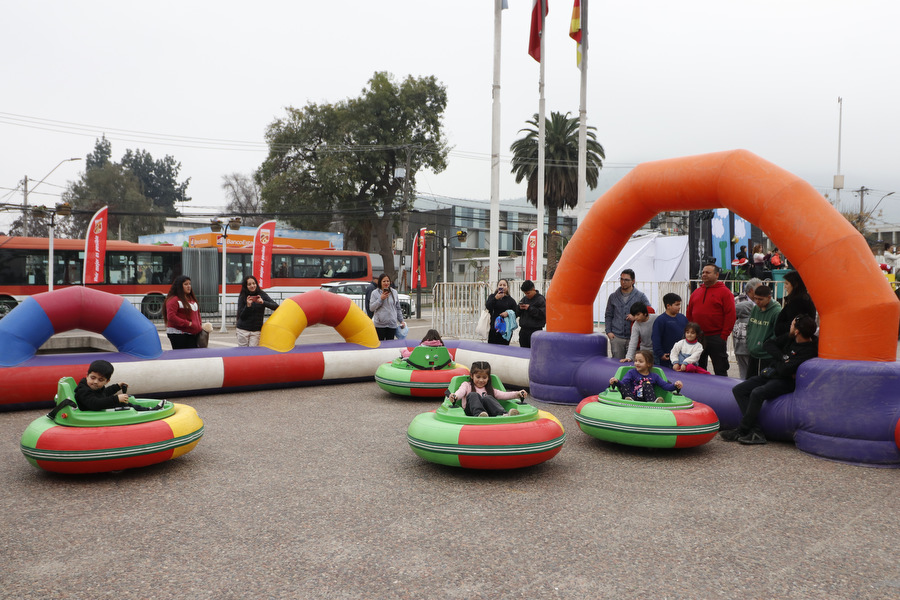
731, 435
752, 438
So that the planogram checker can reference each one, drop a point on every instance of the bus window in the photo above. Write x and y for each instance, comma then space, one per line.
238, 267
120, 268
356, 267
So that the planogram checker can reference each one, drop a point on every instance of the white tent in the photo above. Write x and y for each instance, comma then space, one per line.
654, 258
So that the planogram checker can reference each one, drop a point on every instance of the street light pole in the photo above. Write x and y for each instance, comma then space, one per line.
216, 226
63, 210
26, 191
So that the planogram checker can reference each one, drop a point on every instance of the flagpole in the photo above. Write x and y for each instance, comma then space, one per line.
494, 236
541, 142
582, 118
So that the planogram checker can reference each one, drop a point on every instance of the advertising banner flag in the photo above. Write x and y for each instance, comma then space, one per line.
419, 275
423, 264
263, 241
531, 260
95, 247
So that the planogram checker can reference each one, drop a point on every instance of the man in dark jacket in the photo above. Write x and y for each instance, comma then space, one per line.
371, 288
532, 313
791, 350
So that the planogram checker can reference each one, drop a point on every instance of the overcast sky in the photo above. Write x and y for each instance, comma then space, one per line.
202, 80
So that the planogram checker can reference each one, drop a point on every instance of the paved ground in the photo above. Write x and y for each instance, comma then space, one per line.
314, 493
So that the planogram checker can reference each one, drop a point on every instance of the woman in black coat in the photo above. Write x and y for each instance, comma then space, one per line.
498, 304
797, 301
251, 308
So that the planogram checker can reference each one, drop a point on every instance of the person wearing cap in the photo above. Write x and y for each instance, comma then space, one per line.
532, 312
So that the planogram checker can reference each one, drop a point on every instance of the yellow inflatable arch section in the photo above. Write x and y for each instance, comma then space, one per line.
858, 311
281, 330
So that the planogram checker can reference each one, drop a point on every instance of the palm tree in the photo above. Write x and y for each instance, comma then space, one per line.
561, 168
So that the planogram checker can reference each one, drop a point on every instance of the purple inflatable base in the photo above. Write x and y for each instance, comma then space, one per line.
845, 411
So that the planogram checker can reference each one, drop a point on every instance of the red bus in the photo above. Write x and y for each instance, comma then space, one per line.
143, 273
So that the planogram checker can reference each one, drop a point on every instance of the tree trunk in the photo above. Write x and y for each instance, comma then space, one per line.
383, 234
552, 242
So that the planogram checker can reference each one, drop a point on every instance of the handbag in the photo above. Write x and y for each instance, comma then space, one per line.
203, 339
484, 324
402, 332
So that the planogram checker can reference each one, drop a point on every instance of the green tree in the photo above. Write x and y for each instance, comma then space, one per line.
139, 191
560, 168
131, 213
100, 156
158, 179
336, 164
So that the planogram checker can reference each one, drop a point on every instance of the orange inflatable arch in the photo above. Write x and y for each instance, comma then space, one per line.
858, 312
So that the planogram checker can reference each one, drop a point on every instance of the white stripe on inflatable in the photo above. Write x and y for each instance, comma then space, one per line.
342, 364
511, 370
161, 376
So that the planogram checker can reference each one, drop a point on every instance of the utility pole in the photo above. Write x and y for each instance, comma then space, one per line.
25, 213
839, 179
404, 214
862, 196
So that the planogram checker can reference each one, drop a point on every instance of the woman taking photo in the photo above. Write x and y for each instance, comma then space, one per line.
385, 306
251, 309
499, 304
182, 314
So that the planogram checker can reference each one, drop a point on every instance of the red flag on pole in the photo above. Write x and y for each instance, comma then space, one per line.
537, 27
263, 241
575, 29
95, 248
531, 256
419, 271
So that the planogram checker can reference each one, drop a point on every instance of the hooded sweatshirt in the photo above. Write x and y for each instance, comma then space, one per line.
712, 308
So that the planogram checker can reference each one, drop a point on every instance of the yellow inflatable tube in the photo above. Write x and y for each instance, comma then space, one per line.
281, 330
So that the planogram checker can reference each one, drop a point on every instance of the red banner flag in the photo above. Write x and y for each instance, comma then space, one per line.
263, 241
419, 275
531, 256
575, 29
95, 248
537, 27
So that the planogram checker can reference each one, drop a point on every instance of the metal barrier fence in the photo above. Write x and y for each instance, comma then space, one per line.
457, 306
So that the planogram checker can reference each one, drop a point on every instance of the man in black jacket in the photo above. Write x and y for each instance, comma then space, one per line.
790, 351
532, 313
369, 289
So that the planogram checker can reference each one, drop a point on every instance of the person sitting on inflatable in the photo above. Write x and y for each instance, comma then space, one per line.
479, 398
432, 339
637, 384
92, 395
685, 354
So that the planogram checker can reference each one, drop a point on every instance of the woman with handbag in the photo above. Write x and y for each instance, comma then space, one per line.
498, 304
182, 314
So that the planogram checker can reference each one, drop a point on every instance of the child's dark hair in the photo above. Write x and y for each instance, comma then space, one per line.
638, 308
432, 335
527, 285
101, 367
670, 299
648, 356
482, 365
696, 329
